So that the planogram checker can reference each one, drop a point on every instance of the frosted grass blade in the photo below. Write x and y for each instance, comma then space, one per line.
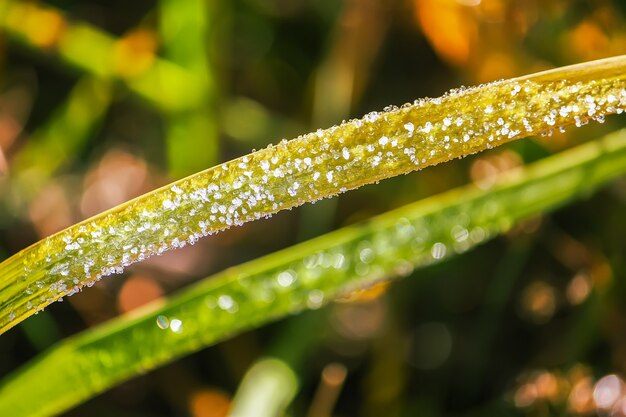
317, 165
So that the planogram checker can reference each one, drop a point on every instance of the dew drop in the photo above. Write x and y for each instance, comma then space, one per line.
438, 250
339, 261
362, 269
286, 278
366, 255
459, 233
315, 299
478, 235
226, 302
176, 325
163, 322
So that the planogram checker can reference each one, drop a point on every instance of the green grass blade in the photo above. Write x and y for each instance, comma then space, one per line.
313, 166
304, 276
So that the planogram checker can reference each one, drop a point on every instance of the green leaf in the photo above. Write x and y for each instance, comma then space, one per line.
304, 276
313, 166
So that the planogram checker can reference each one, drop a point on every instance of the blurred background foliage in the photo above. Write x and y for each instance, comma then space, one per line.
101, 101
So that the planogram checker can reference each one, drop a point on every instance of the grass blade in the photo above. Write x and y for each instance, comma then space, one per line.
304, 276
313, 166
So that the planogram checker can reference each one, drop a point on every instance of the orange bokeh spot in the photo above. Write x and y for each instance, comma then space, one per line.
588, 41
42, 27
118, 177
495, 66
49, 211
137, 291
450, 28
209, 403
135, 52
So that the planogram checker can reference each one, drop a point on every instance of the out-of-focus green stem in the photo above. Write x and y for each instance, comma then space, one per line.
192, 134
307, 275
266, 390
